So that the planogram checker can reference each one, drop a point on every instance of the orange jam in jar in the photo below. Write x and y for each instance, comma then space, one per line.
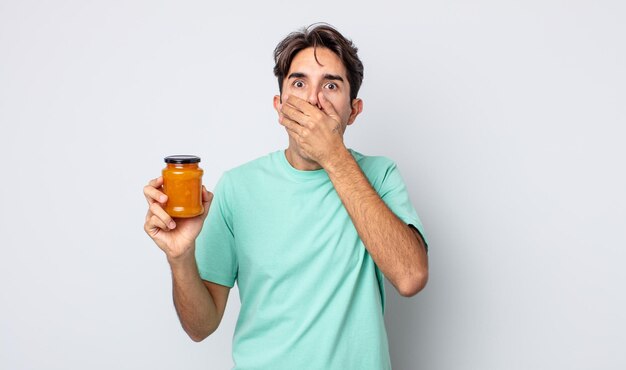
182, 183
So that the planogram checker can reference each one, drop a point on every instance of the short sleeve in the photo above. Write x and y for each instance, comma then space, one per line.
394, 193
215, 246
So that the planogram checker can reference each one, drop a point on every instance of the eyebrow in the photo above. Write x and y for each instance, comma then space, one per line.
327, 76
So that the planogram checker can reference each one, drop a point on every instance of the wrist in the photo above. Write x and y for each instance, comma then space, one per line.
182, 260
338, 160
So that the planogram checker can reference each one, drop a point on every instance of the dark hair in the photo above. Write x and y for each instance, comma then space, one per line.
322, 35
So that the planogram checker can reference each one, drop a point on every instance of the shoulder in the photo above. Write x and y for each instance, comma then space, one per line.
242, 179
377, 169
249, 174
253, 167
373, 164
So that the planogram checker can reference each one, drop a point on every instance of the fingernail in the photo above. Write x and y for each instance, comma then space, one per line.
162, 198
172, 225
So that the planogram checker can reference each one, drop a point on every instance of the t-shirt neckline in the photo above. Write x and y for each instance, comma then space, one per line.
300, 174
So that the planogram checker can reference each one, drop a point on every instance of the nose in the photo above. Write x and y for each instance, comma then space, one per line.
312, 98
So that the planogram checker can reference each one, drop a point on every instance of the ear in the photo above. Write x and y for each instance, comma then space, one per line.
356, 109
277, 105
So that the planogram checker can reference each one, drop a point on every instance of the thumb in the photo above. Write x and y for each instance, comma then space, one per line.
328, 106
207, 199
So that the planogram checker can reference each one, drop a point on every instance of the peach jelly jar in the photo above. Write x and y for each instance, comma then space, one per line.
182, 183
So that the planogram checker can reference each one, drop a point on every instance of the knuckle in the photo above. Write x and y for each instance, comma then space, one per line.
161, 215
155, 208
155, 222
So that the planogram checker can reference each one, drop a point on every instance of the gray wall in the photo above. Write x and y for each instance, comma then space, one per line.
506, 119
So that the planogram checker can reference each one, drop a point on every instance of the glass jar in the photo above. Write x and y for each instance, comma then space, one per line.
182, 183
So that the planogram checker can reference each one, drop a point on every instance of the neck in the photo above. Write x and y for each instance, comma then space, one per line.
299, 162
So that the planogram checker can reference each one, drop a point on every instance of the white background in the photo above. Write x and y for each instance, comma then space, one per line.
506, 119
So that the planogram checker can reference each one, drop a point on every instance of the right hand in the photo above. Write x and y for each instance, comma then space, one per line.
175, 237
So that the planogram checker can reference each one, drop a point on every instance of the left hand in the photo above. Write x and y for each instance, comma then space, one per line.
318, 132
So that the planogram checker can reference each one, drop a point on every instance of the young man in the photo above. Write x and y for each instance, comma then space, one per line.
307, 232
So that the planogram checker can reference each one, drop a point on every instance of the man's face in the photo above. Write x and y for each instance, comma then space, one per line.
307, 78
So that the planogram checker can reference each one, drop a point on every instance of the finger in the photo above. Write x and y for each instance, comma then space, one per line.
292, 126
207, 196
153, 184
292, 134
160, 213
154, 225
302, 105
156, 182
295, 115
329, 109
153, 194
207, 199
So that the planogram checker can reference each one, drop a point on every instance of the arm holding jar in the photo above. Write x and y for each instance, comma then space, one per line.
199, 304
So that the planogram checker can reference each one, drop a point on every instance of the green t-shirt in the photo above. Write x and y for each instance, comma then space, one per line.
311, 295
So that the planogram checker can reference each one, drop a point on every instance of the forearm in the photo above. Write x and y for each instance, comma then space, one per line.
393, 245
194, 304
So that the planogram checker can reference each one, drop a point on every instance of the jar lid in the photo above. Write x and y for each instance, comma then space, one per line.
182, 159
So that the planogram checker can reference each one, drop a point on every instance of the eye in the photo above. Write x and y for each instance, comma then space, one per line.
331, 86
298, 83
